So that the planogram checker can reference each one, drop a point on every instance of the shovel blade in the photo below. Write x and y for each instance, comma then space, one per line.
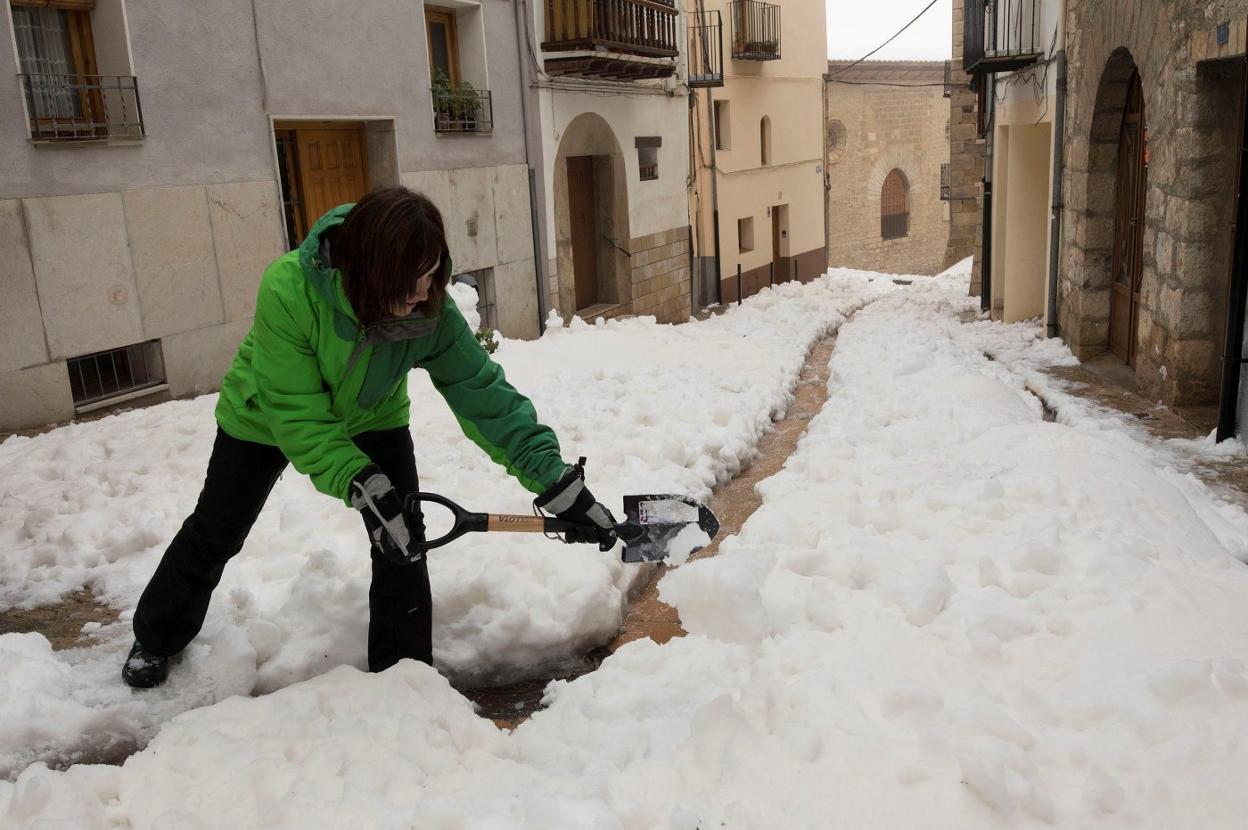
659, 527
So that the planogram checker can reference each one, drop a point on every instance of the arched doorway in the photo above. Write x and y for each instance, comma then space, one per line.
591, 220
1127, 265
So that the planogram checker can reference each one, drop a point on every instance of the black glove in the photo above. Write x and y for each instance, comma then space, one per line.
569, 498
391, 530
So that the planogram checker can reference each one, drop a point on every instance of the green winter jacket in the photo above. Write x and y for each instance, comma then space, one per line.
308, 377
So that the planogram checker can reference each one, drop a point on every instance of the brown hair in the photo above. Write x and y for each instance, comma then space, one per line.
388, 241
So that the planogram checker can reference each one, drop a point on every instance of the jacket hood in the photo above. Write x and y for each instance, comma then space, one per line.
314, 260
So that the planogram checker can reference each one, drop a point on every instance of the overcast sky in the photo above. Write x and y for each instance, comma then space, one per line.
855, 27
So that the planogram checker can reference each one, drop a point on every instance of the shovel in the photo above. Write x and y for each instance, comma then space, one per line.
655, 527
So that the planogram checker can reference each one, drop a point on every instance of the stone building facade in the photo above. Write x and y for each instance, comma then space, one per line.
134, 239
1186, 60
612, 124
966, 161
886, 116
756, 193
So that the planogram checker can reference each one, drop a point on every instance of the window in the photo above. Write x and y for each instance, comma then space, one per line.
98, 379
895, 206
723, 126
66, 97
946, 182
764, 140
745, 234
456, 60
443, 43
648, 157
838, 140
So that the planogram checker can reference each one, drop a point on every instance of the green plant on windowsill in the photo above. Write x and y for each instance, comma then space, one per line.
455, 106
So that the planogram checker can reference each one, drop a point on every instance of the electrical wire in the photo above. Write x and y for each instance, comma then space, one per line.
885, 43
887, 83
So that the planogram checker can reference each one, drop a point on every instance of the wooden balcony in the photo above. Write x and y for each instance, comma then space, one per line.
1000, 36
612, 39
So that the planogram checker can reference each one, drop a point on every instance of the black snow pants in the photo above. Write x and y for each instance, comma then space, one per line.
240, 476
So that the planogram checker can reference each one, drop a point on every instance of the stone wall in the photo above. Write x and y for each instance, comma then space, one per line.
102, 271
966, 160
1189, 199
875, 125
660, 268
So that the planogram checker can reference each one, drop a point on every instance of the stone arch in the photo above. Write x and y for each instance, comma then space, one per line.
1188, 207
589, 135
1098, 214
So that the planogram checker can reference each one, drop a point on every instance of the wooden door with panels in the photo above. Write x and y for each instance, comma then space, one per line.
323, 165
583, 224
1127, 266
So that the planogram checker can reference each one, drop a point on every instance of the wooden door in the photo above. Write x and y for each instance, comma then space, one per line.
777, 262
1128, 258
332, 168
584, 227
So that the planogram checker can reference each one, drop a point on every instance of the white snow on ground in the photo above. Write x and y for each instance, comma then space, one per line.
948, 613
655, 408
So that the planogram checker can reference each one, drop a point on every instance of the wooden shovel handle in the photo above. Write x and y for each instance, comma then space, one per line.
511, 523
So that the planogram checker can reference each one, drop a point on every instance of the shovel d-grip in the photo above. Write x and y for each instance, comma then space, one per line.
653, 524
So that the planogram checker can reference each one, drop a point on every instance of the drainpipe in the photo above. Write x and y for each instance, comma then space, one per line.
827, 179
710, 122
1055, 223
1233, 354
985, 255
539, 243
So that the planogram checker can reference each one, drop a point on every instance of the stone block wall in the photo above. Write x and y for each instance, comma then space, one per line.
876, 125
1189, 197
966, 162
100, 271
661, 276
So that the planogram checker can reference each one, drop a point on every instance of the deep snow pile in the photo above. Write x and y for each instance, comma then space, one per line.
948, 613
654, 407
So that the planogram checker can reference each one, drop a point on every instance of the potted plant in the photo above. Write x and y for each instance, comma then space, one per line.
455, 107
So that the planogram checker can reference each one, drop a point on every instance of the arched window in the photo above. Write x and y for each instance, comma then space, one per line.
895, 206
764, 140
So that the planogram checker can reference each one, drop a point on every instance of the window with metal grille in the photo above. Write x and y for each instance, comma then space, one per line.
66, 97
895, 206
946, 182
96, 379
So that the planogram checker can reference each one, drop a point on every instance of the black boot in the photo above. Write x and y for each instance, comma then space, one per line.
144, 670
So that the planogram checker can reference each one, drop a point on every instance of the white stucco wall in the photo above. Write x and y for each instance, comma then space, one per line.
653, 206
1024, 116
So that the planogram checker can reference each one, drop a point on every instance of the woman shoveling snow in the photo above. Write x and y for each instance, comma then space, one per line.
320, 382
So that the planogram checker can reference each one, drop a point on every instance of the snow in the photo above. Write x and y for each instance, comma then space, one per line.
947, 613
655, 408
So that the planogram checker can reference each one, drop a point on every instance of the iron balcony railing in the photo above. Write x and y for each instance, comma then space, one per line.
755, 30
706, 49
462, 111
946, 182
82, 107
1000, 35
948, 79
637, 27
